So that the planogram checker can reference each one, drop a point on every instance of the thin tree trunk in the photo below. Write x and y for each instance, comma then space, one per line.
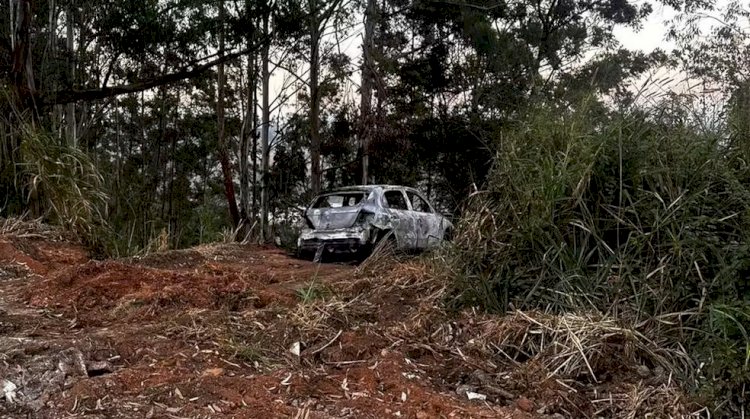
255, 154
248, 125
226, 168
70, 108
171, 214
265, 122
158, 170
315, 172
366, 90
245, 137
256, 137
57, 111
145, 213
121, 153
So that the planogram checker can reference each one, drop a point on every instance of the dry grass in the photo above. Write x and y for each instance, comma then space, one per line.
320, 315
595, 366
598, 364
576, 345
384, 274
23, 227
640, 400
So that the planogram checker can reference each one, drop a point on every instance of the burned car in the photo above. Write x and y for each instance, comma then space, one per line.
355, 219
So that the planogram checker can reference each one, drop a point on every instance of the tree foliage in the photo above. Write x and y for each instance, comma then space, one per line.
445, 78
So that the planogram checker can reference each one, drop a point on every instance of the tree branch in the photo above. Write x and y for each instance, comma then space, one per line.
73, 95
291, 73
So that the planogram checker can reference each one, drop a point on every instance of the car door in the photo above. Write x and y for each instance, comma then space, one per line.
405, 226
427, 234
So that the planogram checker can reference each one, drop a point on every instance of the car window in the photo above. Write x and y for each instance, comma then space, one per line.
338, 200
418, 203
396, 200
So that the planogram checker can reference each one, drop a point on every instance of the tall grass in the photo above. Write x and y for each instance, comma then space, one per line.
637, 215
63, 185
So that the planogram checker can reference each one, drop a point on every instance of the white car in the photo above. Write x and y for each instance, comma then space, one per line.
356, 218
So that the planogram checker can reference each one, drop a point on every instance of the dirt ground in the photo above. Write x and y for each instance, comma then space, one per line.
242, 331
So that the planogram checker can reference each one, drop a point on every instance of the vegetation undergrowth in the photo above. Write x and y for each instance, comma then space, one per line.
63, 186
640, 216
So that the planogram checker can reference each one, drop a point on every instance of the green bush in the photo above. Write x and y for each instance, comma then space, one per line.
632, 214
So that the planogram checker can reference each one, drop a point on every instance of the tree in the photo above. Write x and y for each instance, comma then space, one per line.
21, 69
451, 74
312, 20
223, 149
265, 126
248, 131
367, 75
70, 109
713, 43
120, 81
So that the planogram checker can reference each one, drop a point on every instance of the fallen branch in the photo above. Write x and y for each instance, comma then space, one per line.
327, 344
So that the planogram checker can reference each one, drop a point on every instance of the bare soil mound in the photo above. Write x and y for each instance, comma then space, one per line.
113, 290
211, 277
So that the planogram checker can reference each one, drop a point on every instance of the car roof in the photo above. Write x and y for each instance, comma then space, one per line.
367, 188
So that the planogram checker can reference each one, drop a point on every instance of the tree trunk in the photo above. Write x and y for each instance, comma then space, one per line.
22, 72
172, 213
266, 114
256, 137
315, 172
19, 111
254, 154
226, 168
244, 158
366, 120
57, 111
70, 108
248, 129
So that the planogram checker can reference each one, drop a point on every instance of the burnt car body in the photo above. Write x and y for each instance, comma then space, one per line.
355, 219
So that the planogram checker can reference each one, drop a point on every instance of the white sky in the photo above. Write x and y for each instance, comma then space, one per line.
652, 36
653, 33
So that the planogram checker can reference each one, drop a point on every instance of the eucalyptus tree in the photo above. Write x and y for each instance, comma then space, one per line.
449, 75
319, 25
72, 68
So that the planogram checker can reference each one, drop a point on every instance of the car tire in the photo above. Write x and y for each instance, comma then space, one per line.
364, 252
303, 254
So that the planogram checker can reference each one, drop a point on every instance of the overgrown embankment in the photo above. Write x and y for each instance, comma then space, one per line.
640, 220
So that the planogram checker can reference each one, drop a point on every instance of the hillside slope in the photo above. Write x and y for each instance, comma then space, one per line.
242, 331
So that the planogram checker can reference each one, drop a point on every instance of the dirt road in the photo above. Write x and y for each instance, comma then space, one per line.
228, 331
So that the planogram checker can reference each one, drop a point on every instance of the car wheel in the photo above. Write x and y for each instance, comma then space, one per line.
364, 252
302, 254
